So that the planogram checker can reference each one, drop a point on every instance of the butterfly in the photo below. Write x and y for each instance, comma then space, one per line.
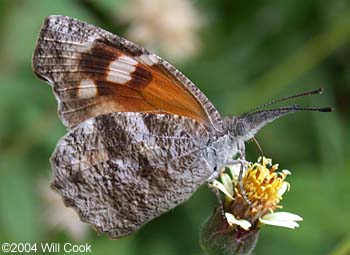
142, 138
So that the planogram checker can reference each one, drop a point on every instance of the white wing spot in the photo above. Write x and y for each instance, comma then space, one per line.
87, 89
148, 59
119, 71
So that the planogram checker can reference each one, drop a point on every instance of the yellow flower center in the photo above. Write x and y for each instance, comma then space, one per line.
263, 187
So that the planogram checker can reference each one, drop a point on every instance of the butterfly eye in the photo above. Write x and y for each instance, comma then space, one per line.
240, 128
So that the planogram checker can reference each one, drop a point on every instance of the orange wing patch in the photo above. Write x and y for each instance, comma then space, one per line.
169, 96
139, 84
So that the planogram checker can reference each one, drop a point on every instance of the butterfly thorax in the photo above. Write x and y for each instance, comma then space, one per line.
225, 146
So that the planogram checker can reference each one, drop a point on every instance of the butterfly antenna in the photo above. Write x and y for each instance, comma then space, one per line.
303, 108
306, 93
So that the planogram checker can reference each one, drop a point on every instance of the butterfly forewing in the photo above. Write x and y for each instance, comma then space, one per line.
94, 72
120, 170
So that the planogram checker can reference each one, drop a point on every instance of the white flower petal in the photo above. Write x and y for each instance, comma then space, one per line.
218, 185
231, 220
265, 161
286, 172
286, 224
282, 216
234, 169
227, 182
281, 219
285, 186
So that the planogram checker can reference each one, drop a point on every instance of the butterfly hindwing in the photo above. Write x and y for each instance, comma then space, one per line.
94, 72
120, 170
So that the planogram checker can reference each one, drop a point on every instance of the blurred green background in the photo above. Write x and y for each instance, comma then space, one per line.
240, 54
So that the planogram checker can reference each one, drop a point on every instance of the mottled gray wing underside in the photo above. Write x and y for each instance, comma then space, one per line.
121, 170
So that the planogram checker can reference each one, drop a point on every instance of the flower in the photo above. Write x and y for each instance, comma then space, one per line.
263, 188
168, 26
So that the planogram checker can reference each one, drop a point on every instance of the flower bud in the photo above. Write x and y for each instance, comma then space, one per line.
217, 237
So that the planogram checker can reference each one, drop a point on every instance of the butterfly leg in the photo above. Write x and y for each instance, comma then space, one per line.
241, 161
210, 182
241, 156
240, 184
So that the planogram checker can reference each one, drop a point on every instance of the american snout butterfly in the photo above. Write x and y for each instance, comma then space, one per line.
141, 136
